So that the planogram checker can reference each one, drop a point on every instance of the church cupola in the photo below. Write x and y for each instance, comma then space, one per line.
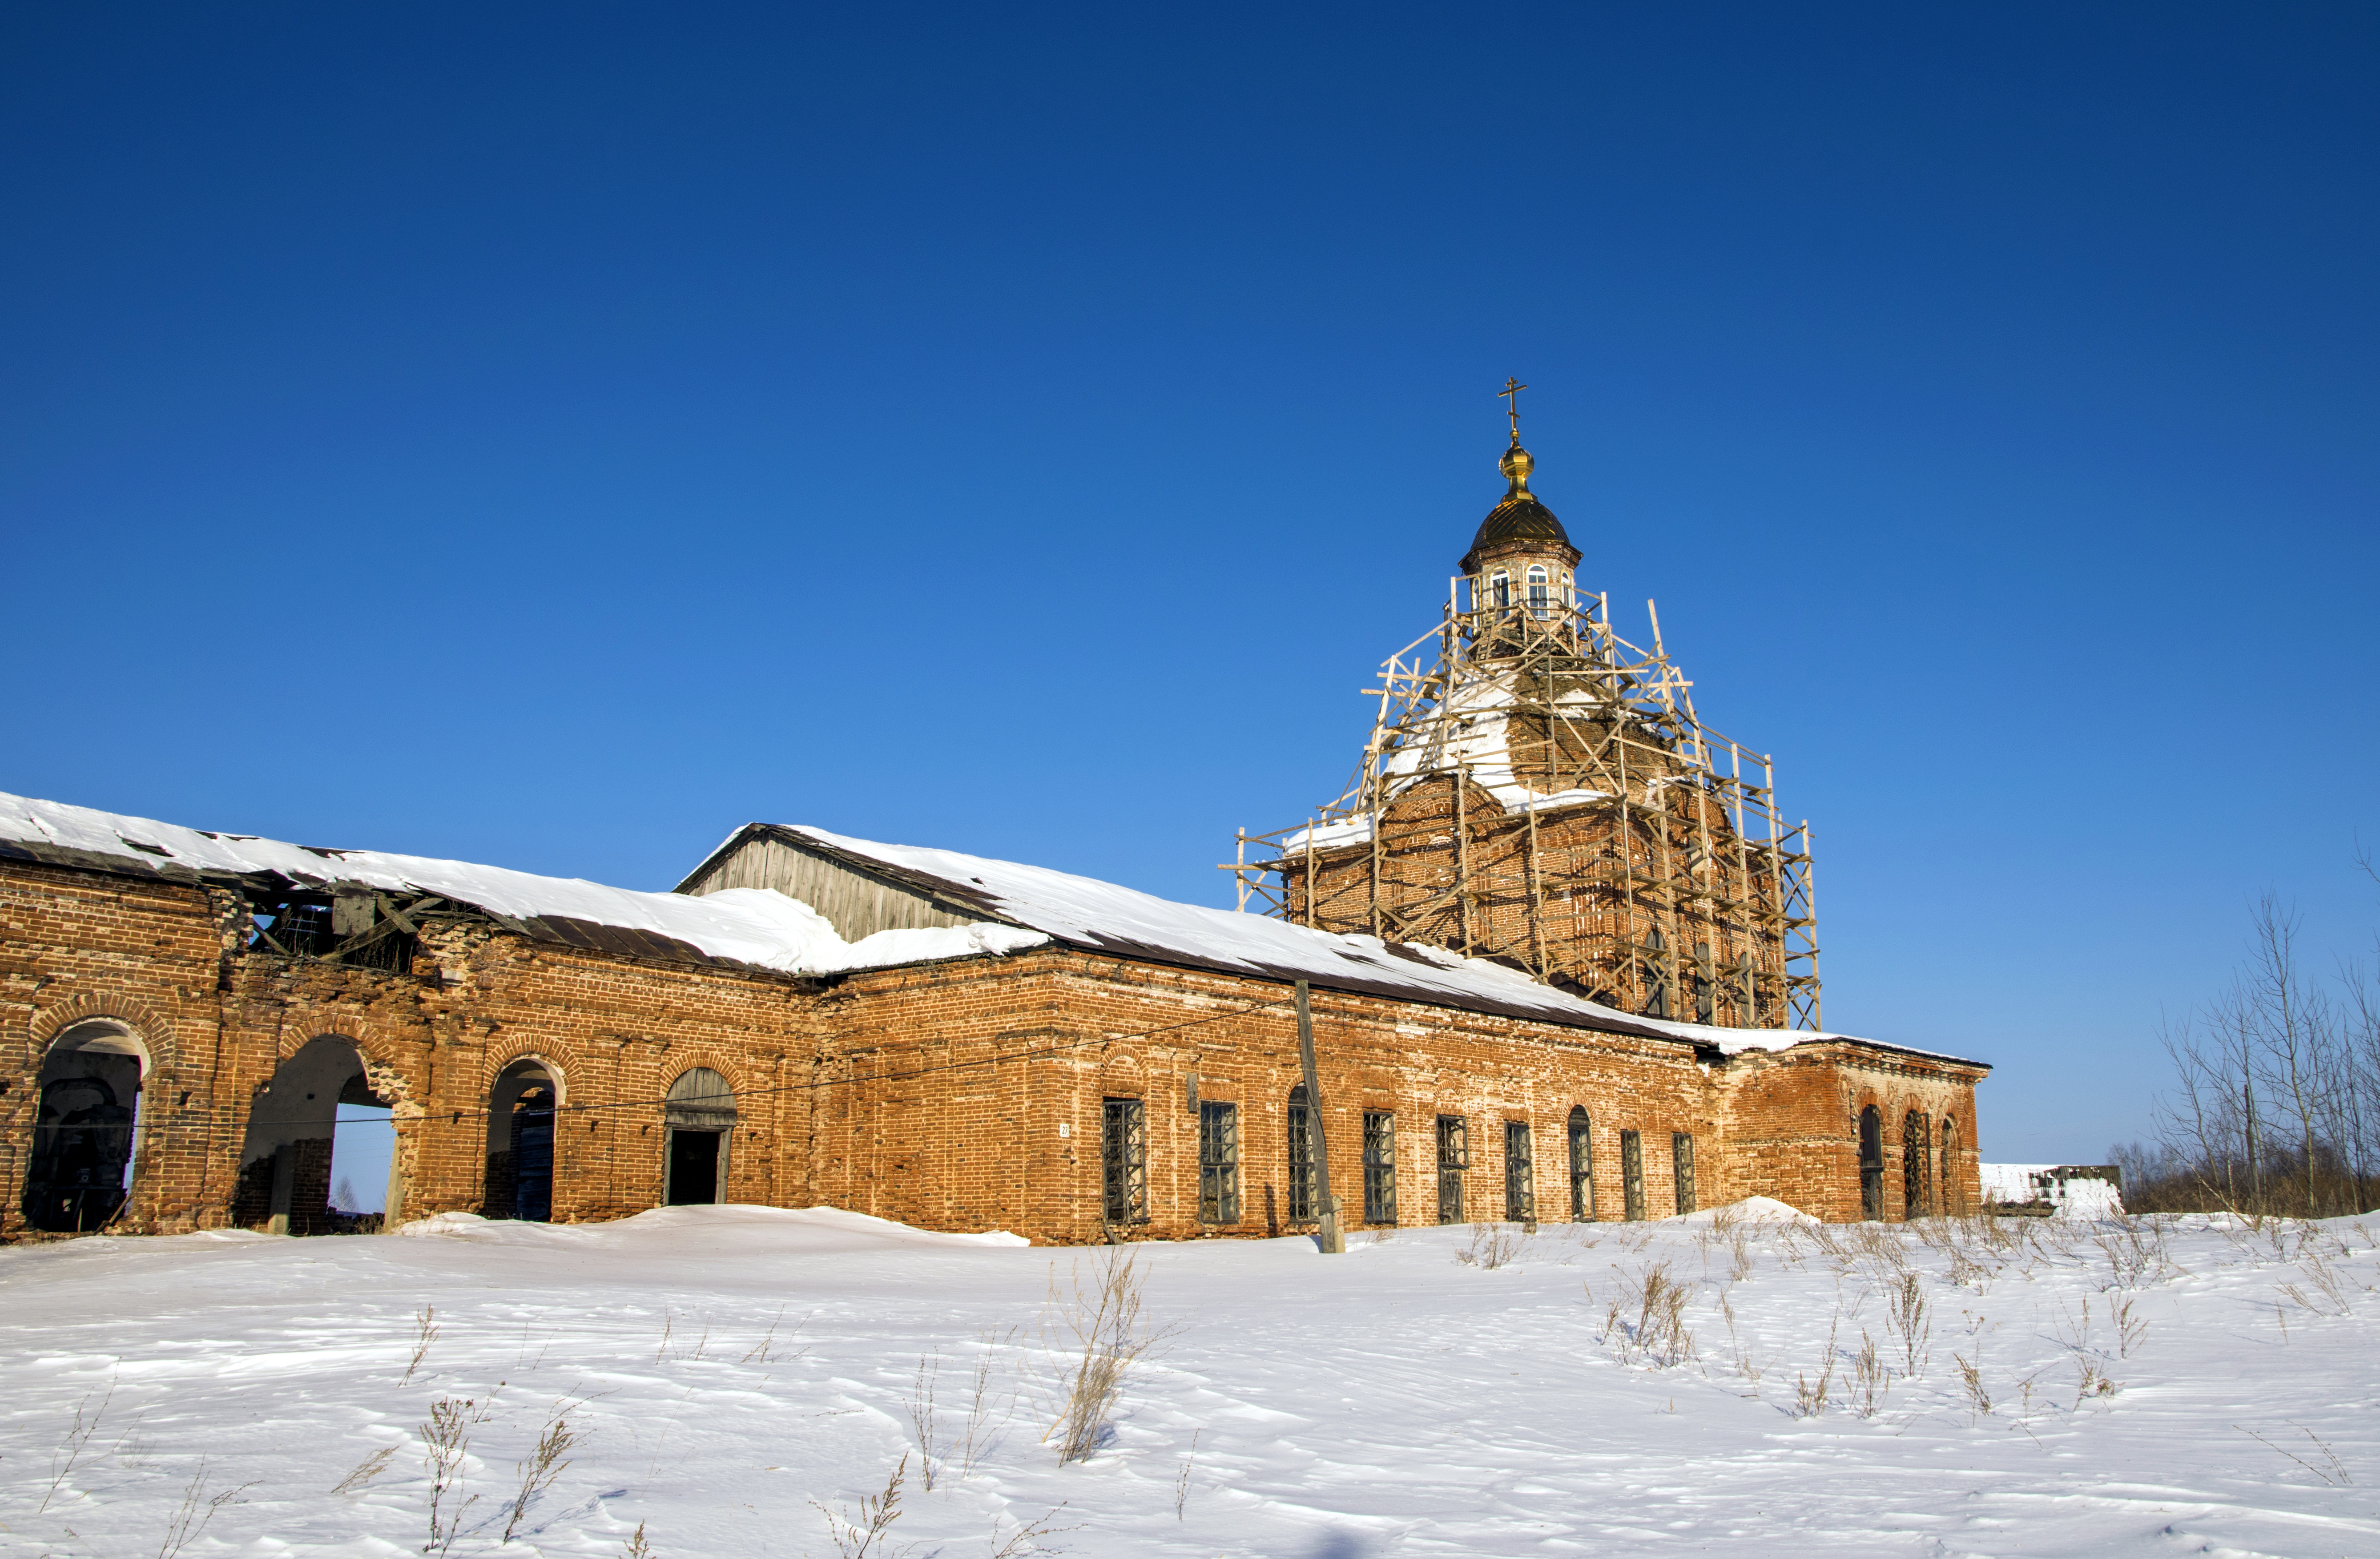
1520, 557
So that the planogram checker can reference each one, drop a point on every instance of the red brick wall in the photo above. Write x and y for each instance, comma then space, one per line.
932, 1094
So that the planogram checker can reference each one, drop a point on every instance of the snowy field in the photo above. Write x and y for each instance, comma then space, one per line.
2153, 1387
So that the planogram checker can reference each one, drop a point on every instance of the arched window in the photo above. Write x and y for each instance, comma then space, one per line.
1916, 1166
298, 1170
1540, 597
1500, 590
1581, 1167
1871, 1164
1520, 1173
1301, 1158
86, 1113
697, 1120
521, 1112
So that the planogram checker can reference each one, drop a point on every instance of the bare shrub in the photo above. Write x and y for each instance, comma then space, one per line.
425, 1331
1109, 1334
2130, 1330
857, 1537
1492, 1245
198, 1507
1659, 1334
1182, 1483
2325, 1466
70, 1448
924, 1420
1971, 1375
1810, 1396
980, 1423
1870, 1380
2095, 1382
1028, 1539
371, 1466
541, 1467
766, 1351
447, 1436
1909, 1319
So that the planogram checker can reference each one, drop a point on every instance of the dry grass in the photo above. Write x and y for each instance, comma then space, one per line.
867, 1533
1909, 1319
1659, 1334
1492, 1245
2325, 1465
1971, 1375
1810, 1396
70, 1448
425, 1331
371, 1466
541, 1467
447, 1437
1871, 1381
198, 1507
1108, 1333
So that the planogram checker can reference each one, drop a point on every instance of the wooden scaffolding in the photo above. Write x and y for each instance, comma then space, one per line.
1540, 790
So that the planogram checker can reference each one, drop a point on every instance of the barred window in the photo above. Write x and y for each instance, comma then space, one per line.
1871, 1164
1219, 1163
1916, 1166
1520, 1173
1380, 1167
1682, 1168
1453, 1158
1301, 1158
1581, 1167
1631, 1174
1123, 1162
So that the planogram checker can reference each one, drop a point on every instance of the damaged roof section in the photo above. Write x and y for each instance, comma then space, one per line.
1102, 917
743, 928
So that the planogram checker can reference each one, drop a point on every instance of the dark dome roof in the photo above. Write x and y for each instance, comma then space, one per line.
1520, 518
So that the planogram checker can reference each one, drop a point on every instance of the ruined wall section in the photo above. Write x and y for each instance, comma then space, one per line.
1792, 1120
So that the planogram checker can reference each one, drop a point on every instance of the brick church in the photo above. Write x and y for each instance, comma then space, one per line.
1550, 955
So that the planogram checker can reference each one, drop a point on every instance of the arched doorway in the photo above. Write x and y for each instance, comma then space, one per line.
288, 1179
521, 1108
1871, 1164
86, 1115
697, 1118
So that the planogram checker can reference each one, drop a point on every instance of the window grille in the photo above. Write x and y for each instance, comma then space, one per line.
1453, 1158
1219, 1163
1682, 1168
1380, 1167
1123, 1162
1581, 1167
1301, 1158
1916, 1166
1871, 1164
1520, 1175
1631, 1174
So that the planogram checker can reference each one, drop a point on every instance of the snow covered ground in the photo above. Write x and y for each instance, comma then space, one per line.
2154, 1387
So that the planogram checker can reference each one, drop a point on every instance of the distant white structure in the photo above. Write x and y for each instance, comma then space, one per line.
2061, 1191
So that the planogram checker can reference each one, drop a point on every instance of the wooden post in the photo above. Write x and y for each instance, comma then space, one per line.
1334, 1239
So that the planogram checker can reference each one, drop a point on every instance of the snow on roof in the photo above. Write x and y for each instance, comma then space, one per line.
1735, 1042
1107, 918
758, 927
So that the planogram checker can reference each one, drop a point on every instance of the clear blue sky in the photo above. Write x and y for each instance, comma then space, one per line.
555, 435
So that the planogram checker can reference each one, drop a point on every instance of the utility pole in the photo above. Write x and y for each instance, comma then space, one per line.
1334, 1240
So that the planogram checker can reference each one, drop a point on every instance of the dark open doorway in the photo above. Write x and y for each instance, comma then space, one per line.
79, 1172
698, 1115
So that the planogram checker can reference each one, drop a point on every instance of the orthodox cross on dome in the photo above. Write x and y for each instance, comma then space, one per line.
1511, 395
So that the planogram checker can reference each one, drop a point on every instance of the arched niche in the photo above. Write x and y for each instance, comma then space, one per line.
80, 1167
697, 1119
523, 1106
285, 1157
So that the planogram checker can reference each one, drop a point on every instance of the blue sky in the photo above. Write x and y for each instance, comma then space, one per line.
555, 435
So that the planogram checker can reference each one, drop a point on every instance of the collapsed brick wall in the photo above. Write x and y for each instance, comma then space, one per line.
960, 1095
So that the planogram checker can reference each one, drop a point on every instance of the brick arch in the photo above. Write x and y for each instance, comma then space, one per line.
154, 1033
385, 1063
560, 1061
